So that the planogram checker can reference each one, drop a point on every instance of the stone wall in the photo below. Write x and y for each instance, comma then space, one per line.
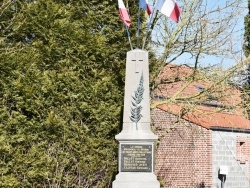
231, 149
190, 156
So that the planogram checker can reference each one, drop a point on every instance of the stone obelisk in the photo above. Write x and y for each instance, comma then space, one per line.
136, 140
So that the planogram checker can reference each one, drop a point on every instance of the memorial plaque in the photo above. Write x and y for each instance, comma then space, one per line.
136, 158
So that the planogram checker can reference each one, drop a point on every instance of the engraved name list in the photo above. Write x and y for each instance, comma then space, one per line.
136, 158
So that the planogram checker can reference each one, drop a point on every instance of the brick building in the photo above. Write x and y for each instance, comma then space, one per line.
204, 136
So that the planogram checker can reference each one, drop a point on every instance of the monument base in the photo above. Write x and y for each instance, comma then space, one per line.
136, 165
136, 180
142, 132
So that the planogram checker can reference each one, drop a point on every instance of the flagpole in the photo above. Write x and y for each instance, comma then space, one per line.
128, 37
148, 27
138, 29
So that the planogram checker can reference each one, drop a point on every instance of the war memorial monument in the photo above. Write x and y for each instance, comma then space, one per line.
136, 140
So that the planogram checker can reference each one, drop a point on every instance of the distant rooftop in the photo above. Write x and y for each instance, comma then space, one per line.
207, 117
204, 103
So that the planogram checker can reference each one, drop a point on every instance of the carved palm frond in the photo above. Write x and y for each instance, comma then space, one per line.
137, 98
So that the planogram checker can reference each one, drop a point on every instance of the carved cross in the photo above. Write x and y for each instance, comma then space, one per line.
138, 64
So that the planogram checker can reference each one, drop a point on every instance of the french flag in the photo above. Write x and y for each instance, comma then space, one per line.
144, 5
123, 13
169, 8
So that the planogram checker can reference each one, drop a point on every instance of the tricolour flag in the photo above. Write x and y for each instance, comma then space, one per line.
144, 5
169, 8
123, 13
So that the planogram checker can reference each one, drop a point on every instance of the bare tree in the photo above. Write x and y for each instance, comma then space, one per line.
205, 28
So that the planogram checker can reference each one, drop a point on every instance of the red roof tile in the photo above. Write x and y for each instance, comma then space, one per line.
207, 117
176, 82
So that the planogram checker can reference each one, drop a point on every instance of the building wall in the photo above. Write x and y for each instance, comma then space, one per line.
184, 152
231, 149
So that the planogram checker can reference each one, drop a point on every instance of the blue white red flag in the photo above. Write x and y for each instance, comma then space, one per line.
123, 13
169, 8
144, 5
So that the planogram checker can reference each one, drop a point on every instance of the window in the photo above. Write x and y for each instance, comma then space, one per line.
241, 151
